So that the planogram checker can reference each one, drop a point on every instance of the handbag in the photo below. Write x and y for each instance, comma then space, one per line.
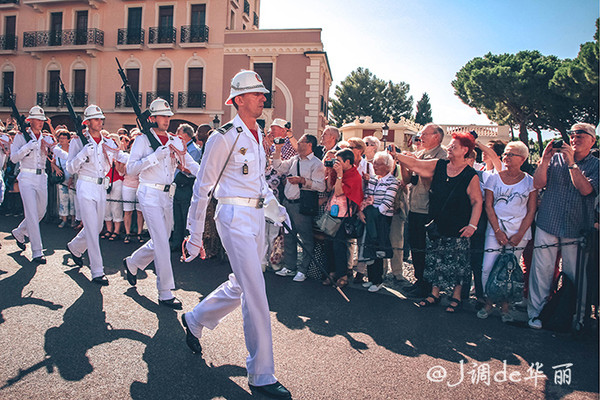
557, 314
506, 282
54, 178
352, 225
309, 199
329, 225
277, 249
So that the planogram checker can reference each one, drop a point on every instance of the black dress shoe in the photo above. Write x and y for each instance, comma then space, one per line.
131, 278
173, 303
192, 341
20, 244
77, 260
39, 260
274, 390
101, 280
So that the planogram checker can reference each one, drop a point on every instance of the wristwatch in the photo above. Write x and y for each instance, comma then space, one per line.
574, 166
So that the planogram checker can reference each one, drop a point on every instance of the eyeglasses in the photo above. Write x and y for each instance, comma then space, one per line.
511, 155
576, 131
370, 144
353, 147
417, 140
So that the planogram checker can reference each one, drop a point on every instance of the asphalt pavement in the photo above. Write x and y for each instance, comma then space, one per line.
63, 337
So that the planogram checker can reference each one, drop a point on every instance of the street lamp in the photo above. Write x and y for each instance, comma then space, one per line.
384, 133
216, 122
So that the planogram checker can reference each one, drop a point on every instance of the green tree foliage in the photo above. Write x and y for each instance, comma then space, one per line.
577, 80
363, 94
507, 88
423, 115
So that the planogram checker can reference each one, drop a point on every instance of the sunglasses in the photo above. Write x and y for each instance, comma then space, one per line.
578, 131
417, 140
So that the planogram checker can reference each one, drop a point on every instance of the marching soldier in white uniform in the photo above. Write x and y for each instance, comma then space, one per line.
91, 162
155, 195
33, 181
5, 142
236, 152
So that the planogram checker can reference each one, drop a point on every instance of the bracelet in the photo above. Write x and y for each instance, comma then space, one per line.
497, 230
473, 226
339, 178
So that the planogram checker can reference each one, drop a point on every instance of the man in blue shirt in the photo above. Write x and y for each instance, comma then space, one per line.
570, 176
184, 181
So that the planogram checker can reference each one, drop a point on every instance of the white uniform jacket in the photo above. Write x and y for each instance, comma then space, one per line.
234, 182
144, 161
30, 154
90, 160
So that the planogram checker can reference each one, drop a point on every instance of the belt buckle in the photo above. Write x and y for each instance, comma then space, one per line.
167, 188
261, 202
38, 171
99, 181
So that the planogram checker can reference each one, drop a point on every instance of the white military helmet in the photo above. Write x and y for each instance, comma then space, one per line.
37, 112
92, 111
160, 107
245, 82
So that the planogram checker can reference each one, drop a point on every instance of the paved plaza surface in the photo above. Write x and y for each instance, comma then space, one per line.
62, 337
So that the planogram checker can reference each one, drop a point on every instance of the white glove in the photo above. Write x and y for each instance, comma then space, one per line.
162, 153
277, 213
192, 251
29, 146
86, 152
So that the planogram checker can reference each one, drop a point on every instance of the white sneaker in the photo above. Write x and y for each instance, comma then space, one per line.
367, 284
374, 288
300, 277
506, 318
483, 313
535, 323
285, 272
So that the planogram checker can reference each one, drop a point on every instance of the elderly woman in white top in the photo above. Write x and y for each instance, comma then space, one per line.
510, 204
66, 190
376, 211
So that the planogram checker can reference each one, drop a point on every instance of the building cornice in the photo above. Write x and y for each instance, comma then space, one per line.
300, 48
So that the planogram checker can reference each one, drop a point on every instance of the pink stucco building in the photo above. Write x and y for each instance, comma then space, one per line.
184, 51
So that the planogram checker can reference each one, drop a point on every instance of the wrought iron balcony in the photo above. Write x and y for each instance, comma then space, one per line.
194, 34
8, 42
246, 7
191, 99
71, 37
121, 100
160, 34
130, 36
4, 99
255, 20
151, 96
8, 3
56, 99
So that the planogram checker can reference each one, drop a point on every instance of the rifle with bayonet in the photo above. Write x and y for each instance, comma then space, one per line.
74, 117
142, 117
15, 114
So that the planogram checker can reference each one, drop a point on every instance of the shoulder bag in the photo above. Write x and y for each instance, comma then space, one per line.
309, 199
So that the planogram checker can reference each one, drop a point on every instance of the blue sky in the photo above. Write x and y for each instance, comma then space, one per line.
425, 42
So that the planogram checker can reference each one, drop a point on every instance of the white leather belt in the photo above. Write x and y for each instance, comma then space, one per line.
243, 201
97, 181
38, 171
162, 188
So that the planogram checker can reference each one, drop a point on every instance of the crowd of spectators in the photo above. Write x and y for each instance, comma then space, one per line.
358, 208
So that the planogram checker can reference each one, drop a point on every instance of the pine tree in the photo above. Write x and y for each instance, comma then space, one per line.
423, 115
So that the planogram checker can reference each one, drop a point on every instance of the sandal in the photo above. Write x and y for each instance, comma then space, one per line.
452, 308
139, 239
342, 282
113, 236
427, 303
106, 235
127, 239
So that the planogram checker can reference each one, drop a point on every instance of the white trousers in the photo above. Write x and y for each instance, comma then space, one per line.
34, 193
157, 208
490, 258
114, 209
242, 232
91, 200
542, 268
